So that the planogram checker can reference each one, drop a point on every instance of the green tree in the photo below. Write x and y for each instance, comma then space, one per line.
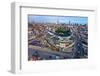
61, 31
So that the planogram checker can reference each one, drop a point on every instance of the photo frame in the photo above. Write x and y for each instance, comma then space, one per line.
50, 38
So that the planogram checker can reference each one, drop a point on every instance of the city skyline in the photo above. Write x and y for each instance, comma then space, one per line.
54, 19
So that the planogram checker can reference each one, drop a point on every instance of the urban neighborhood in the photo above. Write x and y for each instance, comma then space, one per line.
55, 38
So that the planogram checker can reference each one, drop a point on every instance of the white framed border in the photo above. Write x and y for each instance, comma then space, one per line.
17, 61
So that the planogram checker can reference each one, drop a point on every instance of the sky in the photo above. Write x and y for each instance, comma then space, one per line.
54, 19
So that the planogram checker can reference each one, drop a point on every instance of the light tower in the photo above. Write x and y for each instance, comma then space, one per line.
57, 21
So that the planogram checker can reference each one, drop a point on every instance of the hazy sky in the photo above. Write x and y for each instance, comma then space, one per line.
54, 19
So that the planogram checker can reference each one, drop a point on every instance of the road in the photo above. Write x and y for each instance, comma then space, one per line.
45, 53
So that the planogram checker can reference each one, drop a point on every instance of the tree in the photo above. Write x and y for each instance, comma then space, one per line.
61, 31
